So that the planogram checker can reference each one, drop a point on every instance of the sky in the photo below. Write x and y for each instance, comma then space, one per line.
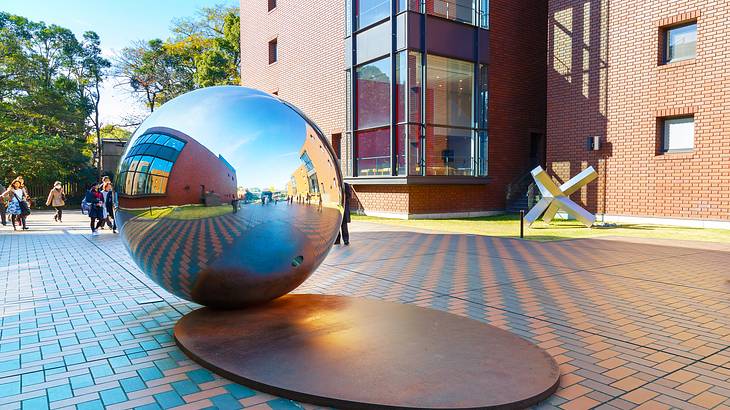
118, 23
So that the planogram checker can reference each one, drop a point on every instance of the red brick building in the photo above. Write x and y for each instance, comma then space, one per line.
651, 79
434, 107
162, 168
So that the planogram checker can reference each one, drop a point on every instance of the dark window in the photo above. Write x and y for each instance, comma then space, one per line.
272, 4
680, 42
336, 144
147, 166
273, 51
677, 134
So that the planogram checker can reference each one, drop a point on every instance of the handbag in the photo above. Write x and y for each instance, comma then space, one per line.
84, 207
24, 207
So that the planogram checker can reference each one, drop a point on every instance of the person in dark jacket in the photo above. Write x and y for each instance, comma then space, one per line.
109, 202
344, 232
96, 208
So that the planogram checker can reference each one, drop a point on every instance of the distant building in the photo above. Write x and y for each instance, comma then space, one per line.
165, 167
111, 152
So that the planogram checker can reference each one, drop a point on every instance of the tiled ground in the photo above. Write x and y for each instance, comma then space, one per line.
633, 324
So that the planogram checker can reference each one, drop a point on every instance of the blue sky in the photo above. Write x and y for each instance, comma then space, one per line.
118, 23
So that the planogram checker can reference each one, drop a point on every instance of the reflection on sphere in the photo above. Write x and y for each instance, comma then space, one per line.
228, 197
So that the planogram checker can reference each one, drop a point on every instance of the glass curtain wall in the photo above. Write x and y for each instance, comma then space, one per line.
372, 118
409, 113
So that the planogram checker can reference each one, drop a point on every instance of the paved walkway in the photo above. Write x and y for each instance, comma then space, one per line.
632, 324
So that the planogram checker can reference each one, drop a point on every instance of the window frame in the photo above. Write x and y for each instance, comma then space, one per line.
665, 42
273, 50
663, 142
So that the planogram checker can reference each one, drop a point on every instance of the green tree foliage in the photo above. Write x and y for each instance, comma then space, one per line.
110, 131
203, 51
47, 80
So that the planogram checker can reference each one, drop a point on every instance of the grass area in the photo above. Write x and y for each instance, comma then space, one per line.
188, 212
509, 226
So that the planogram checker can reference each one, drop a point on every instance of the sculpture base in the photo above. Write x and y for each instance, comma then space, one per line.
360, 353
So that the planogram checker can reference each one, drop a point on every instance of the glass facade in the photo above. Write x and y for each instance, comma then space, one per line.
410, 113
147, 166
368, 12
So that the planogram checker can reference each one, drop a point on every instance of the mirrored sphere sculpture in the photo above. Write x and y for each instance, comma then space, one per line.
228, 197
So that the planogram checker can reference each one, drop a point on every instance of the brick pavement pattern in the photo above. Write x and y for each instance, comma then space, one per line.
642, 324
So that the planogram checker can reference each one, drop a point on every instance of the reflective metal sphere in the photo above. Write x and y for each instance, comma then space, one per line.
228, 197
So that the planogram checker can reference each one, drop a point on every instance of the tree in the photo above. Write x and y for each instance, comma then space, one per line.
204, 51
43, 112
92, 70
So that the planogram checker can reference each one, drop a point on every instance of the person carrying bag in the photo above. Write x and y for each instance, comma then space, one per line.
18, 208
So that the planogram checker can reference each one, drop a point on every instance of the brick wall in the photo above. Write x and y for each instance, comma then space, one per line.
605, 78
309, 72
517, 85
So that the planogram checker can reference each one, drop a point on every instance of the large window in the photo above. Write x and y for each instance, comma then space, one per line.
449, 151
680, 43
373, 152
372, 121
368, 12
678, 134
449, 98
372, 90
148, 163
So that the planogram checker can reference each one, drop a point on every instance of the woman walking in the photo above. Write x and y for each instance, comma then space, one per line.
18, 208
57, 199
96, 208
109, 202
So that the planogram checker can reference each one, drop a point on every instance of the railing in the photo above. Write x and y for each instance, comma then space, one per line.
521, 187
373, 166
39, 192
465, 12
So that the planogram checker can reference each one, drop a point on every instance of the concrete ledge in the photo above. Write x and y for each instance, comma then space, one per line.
446, 215
689, 223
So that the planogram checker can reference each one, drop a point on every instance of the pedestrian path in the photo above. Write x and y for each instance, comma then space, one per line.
632, 324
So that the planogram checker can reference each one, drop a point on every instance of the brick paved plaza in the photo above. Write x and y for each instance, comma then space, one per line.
632, 324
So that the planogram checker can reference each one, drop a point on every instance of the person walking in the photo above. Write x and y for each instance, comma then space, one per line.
3, 218
344, 231
57, 199
96, 208
18, 208
109, 203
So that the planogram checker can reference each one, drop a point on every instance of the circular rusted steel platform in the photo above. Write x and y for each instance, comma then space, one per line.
360, 353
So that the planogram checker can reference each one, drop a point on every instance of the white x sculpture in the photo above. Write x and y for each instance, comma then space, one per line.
555, 198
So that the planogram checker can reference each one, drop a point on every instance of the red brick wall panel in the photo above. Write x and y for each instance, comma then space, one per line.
605, 78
